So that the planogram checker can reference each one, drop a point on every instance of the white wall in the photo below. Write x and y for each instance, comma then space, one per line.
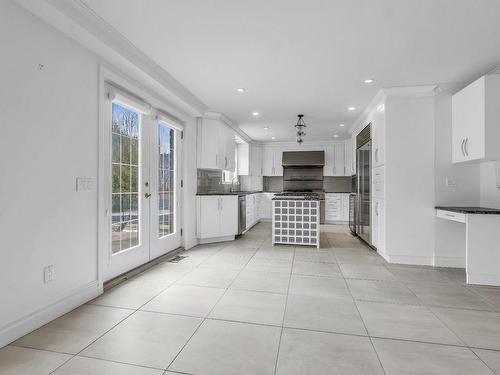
490, 193
49, 137
409, 160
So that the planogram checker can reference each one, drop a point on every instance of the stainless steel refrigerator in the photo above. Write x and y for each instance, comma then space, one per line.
363, 170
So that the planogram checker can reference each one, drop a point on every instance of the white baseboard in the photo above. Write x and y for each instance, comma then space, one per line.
483, 279
190, 244
449, 261
215, 239
65, 304
409, 259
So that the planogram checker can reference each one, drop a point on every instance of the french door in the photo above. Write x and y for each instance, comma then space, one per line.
143, 202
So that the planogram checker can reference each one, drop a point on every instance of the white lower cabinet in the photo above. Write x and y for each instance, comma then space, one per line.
265, 206
217, 216
251, 211
378, 224
336, 207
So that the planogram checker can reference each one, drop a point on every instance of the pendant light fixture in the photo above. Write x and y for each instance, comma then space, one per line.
300, 126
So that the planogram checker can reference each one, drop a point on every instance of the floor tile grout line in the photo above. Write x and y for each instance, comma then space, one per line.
284, 312
478, 357
74, 355
366, 329
206, 316
119, 362
134, 311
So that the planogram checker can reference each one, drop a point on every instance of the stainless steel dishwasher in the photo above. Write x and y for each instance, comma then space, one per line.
242, 213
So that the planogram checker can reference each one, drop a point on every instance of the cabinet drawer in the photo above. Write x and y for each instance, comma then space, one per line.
378, 174
378, 189
449, 215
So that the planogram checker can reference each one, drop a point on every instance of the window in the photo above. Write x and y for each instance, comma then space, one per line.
125, 178
166, 170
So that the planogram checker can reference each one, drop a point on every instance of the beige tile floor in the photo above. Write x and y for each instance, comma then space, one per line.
246, 307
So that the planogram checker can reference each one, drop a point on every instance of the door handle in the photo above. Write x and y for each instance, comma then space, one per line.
147, 195
463, 147
466, 146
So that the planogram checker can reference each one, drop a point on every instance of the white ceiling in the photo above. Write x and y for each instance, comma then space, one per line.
311, 57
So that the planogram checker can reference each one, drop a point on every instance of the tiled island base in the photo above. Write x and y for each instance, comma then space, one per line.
296, 222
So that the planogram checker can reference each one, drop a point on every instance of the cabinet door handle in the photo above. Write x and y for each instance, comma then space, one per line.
376, 209
466, 146
463, 147
225, 161
376, 154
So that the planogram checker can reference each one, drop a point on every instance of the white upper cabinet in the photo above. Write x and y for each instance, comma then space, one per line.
378, 136
243, 160
476, 121
338, 159
256, 160
216, 145
208, 144
272, 162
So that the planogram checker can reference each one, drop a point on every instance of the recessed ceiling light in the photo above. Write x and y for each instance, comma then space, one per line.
369, 80
241, 89
335, 136
273, 137
266, 127
255, 113
342, 125
351, 108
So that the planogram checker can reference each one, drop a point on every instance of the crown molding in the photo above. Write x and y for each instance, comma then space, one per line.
410, 91
228, 122
79, 22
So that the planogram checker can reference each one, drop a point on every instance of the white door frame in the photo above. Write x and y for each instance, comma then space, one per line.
104, 186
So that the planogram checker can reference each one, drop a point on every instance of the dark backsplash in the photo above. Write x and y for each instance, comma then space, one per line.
330, 184
337, 184
210, 181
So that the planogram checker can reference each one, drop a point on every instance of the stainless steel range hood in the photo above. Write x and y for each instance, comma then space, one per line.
303, 158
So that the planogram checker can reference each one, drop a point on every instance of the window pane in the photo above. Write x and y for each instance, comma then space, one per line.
125, 179
166, 152
134, 151
134, 179
116, 178
125, 147
115, 238
116, 148
125, 128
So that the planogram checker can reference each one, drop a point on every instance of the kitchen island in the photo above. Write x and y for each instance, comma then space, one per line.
295, 219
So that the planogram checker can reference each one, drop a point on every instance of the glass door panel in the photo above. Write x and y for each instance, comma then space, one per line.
142, 198
166, 235
128, 241
125, 184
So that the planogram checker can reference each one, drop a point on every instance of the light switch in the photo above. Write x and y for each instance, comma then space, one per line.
450, 182
84, 184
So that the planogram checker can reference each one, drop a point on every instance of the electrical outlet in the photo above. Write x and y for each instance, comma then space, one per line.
48, 274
